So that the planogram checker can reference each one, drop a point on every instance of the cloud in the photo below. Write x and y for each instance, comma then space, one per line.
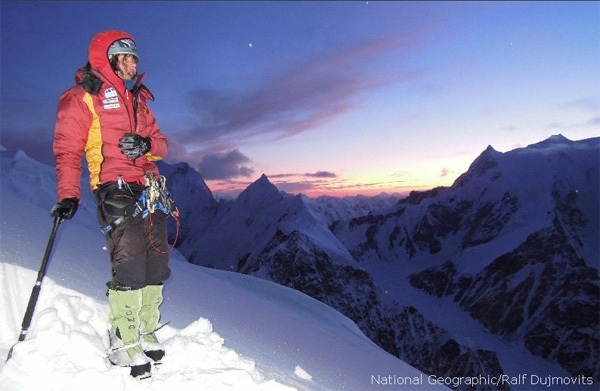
590, 104
321, 174
318, 174
446, 171
557, 126
300, 99
594, 121
225, 165
295, 187
303, 183
400, 174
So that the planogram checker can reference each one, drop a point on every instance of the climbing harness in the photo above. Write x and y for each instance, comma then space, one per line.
155, 196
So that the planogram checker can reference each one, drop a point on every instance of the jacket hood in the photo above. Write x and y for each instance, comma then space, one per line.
98, 52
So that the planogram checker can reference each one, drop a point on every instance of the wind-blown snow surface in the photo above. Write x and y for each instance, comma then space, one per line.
227, 331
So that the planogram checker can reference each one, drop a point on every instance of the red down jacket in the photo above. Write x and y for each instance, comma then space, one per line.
94, 115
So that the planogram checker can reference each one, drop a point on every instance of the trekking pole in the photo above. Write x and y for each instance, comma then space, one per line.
35, 292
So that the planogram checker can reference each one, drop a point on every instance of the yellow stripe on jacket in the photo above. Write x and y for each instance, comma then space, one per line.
93, 147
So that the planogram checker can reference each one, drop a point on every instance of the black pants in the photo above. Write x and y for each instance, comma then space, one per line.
138, 247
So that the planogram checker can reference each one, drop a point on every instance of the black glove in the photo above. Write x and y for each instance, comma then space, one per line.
65, 209
133, 145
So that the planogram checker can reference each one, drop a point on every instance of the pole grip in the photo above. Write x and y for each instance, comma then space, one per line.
35, 293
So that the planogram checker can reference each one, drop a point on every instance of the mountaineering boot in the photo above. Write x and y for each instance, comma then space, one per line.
149, 315
124, 318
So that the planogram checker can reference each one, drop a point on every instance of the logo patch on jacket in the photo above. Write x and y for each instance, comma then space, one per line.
110, 101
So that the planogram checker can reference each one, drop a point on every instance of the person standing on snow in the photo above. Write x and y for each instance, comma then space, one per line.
106, 117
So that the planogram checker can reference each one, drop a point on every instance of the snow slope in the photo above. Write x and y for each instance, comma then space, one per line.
227, 331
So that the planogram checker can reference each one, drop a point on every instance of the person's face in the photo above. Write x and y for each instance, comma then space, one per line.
127, 65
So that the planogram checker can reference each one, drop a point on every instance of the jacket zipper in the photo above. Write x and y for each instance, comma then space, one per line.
126, 98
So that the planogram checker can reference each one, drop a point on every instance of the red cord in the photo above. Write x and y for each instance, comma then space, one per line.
175, 215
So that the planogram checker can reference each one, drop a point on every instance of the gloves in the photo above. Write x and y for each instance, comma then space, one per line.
65, 209
133, 145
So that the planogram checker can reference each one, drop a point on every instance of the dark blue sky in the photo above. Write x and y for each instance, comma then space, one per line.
323, 97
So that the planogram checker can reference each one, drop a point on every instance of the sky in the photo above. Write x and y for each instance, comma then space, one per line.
325, 98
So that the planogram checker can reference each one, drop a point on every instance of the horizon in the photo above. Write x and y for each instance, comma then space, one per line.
325, 98
232, 195
401, 194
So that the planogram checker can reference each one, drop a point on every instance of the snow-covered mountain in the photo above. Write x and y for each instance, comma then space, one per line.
335, 209
500, 250
495, 277
227, 331
514, 241
278, 237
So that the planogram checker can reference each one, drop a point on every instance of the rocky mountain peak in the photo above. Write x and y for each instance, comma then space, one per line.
552, 141
487, 160
260, 191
